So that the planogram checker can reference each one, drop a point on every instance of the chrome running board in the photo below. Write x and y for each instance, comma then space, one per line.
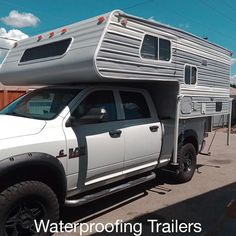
106, 192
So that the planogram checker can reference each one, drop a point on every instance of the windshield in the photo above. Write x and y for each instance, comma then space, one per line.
42, 104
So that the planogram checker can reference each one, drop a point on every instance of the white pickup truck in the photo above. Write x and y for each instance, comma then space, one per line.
73, 144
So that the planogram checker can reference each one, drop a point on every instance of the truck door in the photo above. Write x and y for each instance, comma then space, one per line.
142, 130
96, 148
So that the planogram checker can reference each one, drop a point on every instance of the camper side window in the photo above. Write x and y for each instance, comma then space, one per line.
164, 50
190, 75
156, 48
150, 47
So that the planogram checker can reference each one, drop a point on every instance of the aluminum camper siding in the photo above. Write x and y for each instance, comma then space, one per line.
119, 57
77, 65
119, 54
116, 49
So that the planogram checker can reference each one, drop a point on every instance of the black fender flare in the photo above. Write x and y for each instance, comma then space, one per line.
190, 133
10, 166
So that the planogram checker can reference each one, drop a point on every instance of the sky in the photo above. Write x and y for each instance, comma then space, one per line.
214, 19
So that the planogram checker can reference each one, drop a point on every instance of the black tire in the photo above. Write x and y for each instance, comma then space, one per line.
187, 159
23, 203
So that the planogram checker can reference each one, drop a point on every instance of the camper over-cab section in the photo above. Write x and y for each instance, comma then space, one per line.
119, 47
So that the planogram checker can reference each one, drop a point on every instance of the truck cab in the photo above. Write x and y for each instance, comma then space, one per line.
97, 133
64, 141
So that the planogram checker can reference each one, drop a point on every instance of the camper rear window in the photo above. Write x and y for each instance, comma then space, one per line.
49, 50
156, 48
190, 75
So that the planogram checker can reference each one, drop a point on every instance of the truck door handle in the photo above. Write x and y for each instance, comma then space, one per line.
115, 133
154, 128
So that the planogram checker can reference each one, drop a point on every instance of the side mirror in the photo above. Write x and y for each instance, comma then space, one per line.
94, 115
72, 121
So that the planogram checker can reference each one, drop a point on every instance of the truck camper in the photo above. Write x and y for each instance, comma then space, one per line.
123, 97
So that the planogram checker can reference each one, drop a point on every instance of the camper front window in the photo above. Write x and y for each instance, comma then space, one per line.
156, 48
190, 74
46, 51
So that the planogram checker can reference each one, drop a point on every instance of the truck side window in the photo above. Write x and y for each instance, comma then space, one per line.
98, 99
134, 105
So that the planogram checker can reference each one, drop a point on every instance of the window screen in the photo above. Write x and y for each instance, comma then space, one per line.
218, 106
54, 49
194, 75
98, 99
187, 75
150, 47
134, 105
190, 75
164, 50
156, 48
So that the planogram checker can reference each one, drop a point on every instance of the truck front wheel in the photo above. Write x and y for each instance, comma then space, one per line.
187, 163
25, 203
